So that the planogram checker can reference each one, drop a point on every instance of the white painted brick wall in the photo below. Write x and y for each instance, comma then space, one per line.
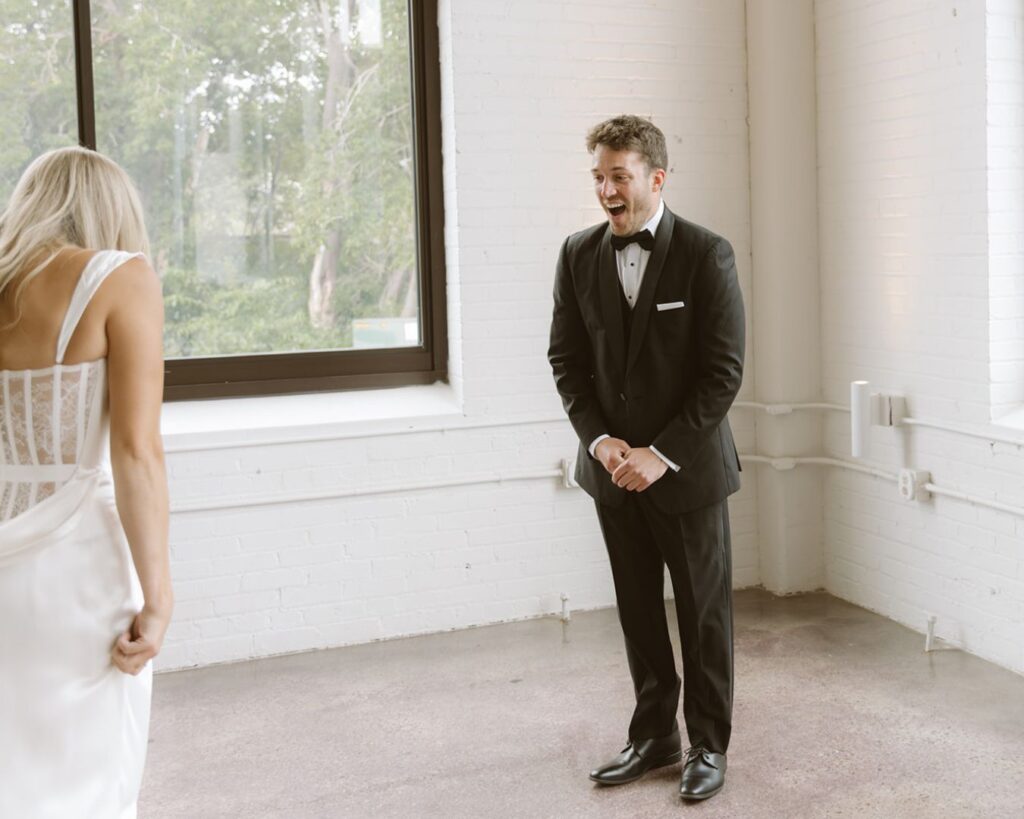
1005, 83
521, 83
920, 242
529, 79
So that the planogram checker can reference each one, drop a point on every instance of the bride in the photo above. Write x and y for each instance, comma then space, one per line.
85, 592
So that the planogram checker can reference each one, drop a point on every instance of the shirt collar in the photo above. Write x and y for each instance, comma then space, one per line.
652, 223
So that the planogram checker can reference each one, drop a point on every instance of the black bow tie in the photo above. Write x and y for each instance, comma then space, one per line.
643, 238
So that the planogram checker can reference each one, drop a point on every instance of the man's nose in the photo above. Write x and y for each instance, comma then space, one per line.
607, 190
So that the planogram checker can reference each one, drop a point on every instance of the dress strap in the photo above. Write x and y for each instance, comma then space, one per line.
101, 265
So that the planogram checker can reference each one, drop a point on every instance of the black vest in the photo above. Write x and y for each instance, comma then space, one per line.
627, 319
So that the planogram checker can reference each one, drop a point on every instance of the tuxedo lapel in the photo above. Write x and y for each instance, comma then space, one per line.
645, 299
611, 309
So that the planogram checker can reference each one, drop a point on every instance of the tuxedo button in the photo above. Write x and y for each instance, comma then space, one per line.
622, 395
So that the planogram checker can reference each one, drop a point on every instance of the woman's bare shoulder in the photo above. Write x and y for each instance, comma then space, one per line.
133, 284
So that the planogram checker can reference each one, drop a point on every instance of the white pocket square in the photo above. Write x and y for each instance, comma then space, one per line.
671, 305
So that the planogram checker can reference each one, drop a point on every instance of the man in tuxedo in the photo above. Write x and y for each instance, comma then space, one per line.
647, 342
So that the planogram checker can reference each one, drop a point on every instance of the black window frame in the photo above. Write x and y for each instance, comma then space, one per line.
280, 373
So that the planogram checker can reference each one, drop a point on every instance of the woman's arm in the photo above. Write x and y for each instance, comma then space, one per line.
136, 381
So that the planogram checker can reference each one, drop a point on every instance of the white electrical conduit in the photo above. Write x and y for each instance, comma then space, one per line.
945, 426
977, 501
785, 464
786, 409
779, 464
964, 430
202, 505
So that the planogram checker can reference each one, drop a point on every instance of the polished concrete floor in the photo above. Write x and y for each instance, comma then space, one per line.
839, 713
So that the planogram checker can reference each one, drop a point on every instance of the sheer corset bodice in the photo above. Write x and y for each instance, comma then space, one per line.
54, 421
52, 424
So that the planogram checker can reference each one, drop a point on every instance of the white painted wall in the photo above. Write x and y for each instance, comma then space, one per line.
786, 303
920, 197
920, 243
1005, 98
521, 83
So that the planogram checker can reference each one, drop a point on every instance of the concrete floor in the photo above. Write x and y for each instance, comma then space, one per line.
839, 713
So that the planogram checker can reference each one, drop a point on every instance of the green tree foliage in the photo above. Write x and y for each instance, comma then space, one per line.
37, 84
272, 144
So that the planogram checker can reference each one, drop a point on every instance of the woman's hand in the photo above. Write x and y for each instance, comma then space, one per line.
142, 641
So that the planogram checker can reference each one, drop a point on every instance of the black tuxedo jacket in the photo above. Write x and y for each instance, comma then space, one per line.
671, 383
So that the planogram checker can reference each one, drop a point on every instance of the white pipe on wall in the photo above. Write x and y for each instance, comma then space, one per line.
975, 499
860, 411
780, 464
786, 409
985, 435
860, 417
944, 426
784, 464
350, 492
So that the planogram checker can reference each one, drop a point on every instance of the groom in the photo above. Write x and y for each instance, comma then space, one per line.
647, 344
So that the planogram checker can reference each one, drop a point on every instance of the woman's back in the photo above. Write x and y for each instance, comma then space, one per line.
31, 342
52, 413
85, 594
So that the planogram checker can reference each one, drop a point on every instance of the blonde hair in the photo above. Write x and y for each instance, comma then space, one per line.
67, 197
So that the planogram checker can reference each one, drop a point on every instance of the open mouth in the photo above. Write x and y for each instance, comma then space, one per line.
616, 210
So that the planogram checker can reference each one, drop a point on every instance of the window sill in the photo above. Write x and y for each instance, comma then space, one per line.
1012, 420
281, 419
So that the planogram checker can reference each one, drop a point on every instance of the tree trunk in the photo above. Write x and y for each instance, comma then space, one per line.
324, 274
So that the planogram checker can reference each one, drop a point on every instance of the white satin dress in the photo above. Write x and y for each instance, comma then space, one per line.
73, 728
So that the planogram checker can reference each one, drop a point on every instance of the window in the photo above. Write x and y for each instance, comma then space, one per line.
37, 84
288, 157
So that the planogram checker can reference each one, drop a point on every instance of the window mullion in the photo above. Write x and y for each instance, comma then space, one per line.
83, 73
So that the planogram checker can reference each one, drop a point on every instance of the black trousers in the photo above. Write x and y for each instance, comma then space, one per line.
641, 541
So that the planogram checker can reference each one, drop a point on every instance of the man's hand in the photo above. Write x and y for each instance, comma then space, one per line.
610, 452
639, 470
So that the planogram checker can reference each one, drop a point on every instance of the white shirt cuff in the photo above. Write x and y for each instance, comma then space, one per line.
593, 444
669, 463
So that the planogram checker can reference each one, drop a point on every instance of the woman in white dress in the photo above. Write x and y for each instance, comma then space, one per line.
85, 593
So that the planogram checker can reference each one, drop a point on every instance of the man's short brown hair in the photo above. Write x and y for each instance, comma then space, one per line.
631, 133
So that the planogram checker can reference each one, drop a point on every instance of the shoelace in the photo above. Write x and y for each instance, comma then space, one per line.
699, 751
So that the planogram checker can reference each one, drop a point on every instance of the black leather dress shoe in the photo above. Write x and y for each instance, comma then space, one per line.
638, 758
703, 773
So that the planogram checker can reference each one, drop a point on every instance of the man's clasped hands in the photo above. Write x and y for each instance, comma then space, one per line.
633, 469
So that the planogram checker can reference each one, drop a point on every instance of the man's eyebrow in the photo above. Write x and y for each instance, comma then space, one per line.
616, 168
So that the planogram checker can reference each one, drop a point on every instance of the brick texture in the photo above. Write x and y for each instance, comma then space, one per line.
920, 140
521, 83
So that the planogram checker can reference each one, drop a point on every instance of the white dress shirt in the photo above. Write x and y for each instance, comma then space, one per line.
632, 262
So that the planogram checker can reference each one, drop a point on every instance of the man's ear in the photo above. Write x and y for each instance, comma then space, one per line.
658, 180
